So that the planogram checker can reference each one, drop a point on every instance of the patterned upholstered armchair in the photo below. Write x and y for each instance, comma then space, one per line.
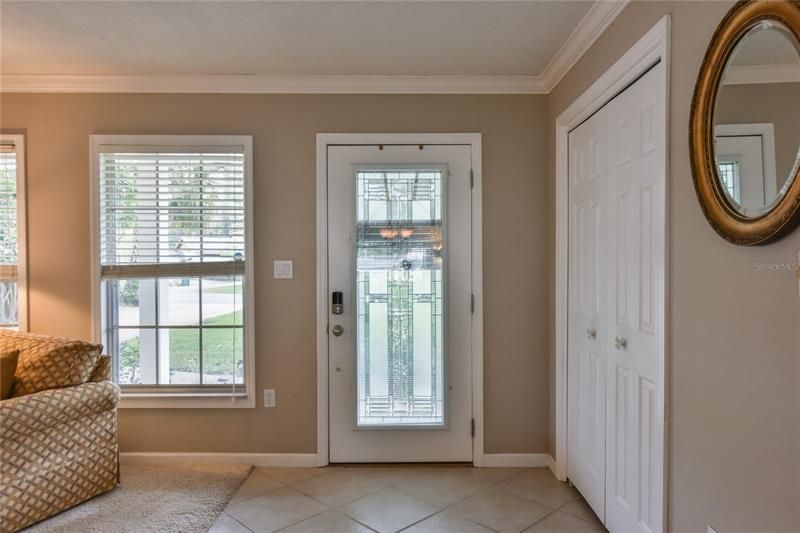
58, 440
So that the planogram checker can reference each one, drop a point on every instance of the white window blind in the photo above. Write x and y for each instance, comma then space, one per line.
166, 212
9, 238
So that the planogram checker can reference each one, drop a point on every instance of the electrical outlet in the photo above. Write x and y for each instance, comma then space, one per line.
269, 398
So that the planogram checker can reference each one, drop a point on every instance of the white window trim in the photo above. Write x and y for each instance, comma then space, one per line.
18, 141
173, 400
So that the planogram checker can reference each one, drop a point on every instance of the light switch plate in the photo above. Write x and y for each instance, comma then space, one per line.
283, 269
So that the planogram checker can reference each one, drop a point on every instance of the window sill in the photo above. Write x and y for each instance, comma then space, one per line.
132, 400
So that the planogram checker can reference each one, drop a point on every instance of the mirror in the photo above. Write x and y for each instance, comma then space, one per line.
757, 119
745, 123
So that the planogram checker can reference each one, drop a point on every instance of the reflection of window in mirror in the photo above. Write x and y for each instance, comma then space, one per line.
729, 174
751, 148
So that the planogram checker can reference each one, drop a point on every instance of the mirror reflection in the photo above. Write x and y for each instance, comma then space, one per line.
757, 119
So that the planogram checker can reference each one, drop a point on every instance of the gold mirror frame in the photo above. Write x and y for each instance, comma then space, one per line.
784, 216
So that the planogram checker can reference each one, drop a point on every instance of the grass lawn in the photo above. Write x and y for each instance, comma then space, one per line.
225, 289
219, 347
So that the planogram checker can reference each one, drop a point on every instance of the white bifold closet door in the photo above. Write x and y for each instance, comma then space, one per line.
616, 304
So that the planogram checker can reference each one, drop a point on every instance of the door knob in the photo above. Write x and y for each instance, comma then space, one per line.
620, 343
337, 330
591, 333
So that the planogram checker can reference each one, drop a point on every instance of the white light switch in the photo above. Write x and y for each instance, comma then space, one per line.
282, 269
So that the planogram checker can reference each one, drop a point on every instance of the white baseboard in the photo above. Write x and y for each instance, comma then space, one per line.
553, 466
536, 460
256, 459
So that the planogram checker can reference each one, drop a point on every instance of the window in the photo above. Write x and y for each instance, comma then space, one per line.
13, 292
400, 328
174, 265
729, 174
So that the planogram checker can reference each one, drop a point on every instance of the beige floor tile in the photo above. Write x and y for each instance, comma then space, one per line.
291, 475
444, 486
501, 511
540, 485
339, 487
578, 507
226, 524
446, 522
328, 522
275, 510
256, 484
391, 475
559, 522
389, 510
495, 475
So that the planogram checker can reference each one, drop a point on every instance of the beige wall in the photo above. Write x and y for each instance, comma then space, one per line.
774, 103
284, 128
734, 333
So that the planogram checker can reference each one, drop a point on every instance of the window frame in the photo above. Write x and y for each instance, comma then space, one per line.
18, 142
172, 398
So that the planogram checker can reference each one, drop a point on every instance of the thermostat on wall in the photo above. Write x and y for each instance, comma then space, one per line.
282, 269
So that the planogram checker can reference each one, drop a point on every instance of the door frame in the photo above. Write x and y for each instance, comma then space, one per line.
652, 48
324, 140
765, 130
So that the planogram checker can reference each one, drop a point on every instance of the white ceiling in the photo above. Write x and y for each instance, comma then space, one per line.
284, 38
767, 47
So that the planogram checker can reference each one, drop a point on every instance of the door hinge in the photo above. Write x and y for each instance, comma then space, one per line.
472, 303
472, 428
471, 178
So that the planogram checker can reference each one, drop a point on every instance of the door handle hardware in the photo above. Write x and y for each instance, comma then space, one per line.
620, 343
591, 333
337, 303
337, 330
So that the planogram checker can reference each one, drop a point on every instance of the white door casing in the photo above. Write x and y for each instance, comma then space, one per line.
453, 442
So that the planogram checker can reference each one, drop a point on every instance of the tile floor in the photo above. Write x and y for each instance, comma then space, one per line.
414, 499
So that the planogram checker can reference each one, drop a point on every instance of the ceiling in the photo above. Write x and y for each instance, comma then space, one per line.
771, 47
92, 42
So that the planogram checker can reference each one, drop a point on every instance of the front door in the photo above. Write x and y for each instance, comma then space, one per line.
399, 234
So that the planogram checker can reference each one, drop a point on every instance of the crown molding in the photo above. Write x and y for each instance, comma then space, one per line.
759, 74
236, 84
594, 23
589, 29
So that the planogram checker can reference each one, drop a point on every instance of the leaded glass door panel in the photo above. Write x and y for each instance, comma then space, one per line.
399, 237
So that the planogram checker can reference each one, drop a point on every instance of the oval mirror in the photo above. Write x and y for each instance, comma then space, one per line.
745, 135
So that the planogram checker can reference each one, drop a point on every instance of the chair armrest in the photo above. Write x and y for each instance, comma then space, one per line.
27, 414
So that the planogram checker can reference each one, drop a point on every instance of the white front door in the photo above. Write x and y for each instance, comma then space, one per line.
399, 234
616, 308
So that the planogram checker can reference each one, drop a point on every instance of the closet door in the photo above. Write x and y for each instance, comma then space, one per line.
586, 424
635, 425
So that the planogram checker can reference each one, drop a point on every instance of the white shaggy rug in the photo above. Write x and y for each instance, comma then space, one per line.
154, 498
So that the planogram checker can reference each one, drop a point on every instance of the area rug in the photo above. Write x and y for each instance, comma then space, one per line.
154, 498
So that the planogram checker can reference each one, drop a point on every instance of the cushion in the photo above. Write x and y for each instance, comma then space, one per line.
49, 362
102, 372
8, 365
